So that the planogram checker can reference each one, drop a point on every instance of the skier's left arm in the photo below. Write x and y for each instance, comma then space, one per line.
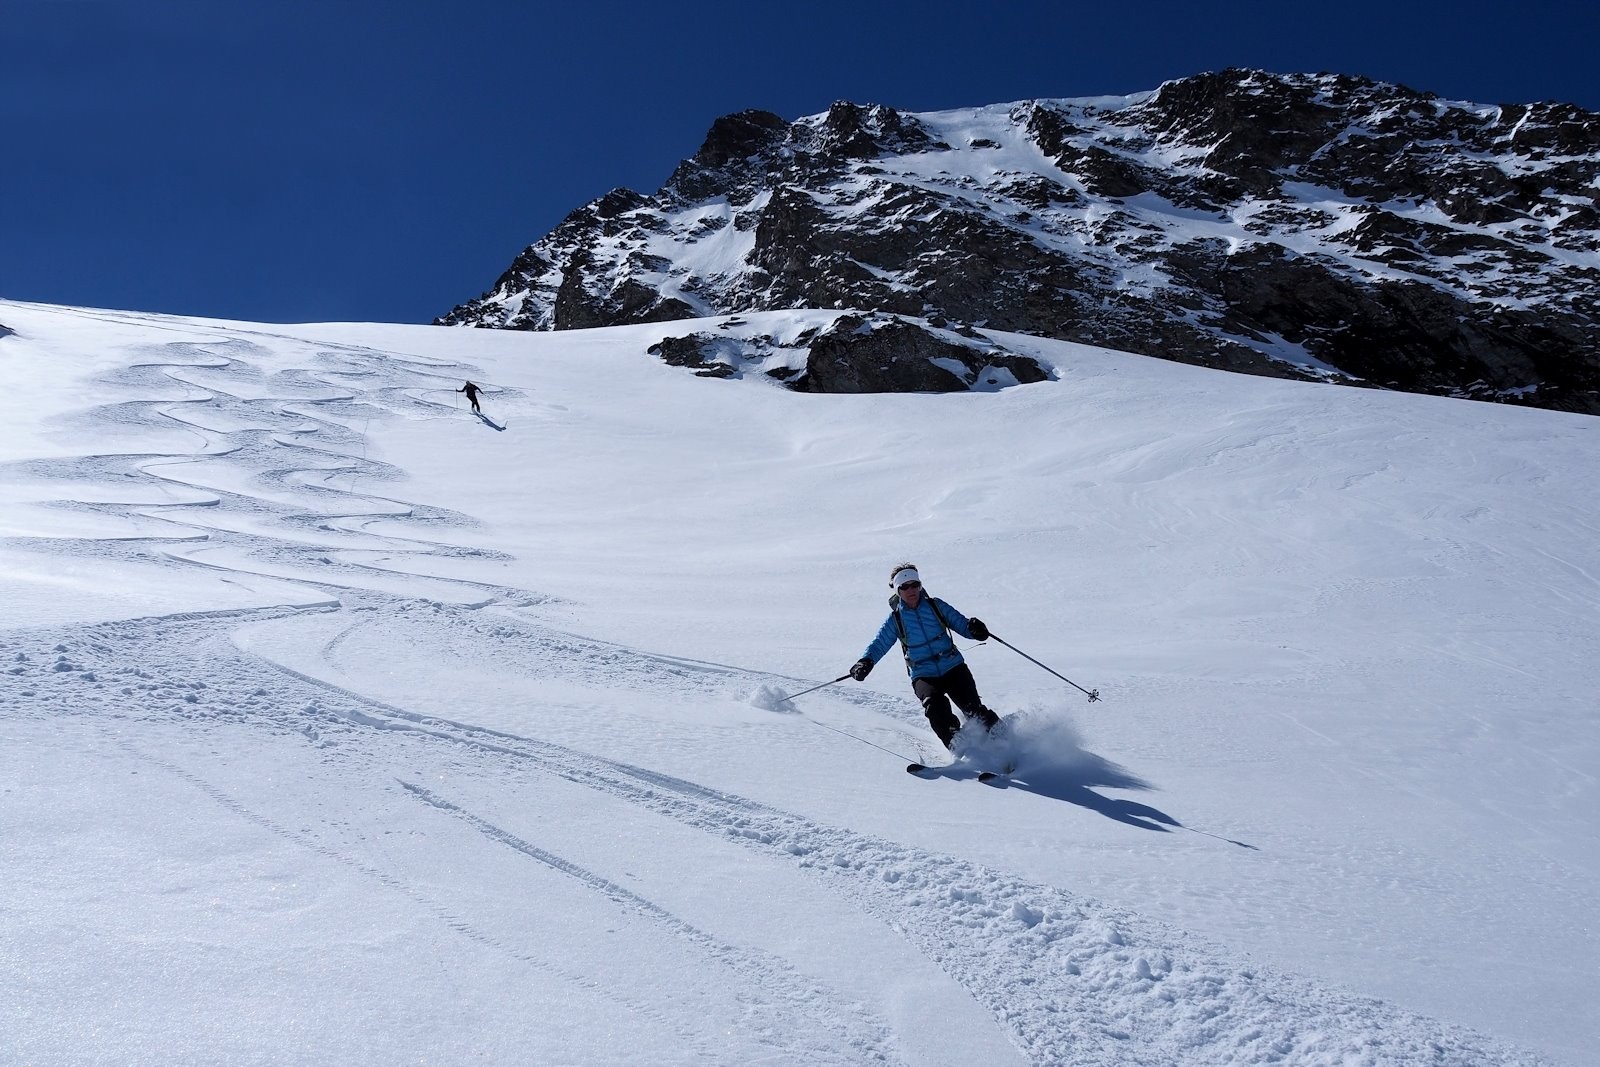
973, 629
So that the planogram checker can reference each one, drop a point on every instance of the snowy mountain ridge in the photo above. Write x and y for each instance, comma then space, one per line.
1311, 226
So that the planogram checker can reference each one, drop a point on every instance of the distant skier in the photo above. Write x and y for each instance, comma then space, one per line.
472, 395
921, 624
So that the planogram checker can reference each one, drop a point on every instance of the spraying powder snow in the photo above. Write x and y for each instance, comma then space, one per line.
771, 698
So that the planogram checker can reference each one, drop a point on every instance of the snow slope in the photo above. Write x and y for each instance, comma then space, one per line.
340, 726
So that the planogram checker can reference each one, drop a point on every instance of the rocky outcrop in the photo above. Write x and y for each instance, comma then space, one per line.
868, 354
702, 353
857, 354
1310, 226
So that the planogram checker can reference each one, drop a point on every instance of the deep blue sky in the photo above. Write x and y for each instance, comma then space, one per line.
347, 159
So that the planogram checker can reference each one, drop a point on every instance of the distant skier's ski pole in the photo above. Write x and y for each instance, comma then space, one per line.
1093, 694
814, 688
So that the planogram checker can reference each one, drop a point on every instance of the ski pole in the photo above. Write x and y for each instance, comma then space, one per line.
852, 736
1094, 694
835, 729
814, 688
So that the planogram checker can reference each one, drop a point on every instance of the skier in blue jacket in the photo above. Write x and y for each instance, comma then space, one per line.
921, 624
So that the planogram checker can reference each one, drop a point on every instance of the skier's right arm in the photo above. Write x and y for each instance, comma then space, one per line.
887, 636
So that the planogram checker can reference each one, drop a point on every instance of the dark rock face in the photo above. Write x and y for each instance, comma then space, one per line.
721, 165
697, 352
1320, 227
860, 355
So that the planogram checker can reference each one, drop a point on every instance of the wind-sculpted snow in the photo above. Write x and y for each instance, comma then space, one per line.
270, 476
338, 727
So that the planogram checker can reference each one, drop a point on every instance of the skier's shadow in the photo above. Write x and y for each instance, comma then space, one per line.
1071, 780
487, 421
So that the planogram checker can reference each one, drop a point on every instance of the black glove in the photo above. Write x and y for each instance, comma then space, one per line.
860, 669
977, 629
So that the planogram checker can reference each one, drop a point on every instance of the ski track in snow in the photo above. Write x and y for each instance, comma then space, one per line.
809, 1013
786, 1013
1067, 978
438, 911
276, 484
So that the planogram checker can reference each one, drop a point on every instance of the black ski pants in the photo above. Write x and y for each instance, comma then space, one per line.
954, 685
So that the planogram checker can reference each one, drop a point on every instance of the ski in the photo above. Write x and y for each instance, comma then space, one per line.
983, 776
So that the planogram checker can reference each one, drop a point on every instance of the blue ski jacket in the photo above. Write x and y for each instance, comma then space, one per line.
929, 651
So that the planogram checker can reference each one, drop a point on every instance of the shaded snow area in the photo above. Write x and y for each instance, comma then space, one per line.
341, 725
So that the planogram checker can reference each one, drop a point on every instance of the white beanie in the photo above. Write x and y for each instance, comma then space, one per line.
904, 575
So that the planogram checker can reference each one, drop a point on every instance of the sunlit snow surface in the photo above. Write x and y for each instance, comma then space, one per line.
338, 725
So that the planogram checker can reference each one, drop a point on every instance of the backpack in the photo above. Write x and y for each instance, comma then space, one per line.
900, 624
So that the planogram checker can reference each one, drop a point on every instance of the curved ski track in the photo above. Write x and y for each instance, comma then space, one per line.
1067, 978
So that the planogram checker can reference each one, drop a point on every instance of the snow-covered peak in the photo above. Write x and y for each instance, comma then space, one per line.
1294, 225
